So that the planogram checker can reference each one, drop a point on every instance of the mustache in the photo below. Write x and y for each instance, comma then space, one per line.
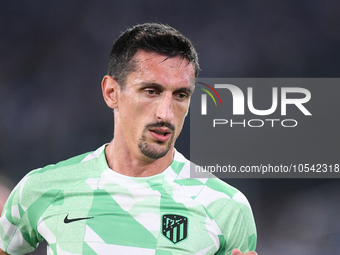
161, 124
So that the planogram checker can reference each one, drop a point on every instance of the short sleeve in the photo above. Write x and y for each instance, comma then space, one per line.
17, 236
237, 225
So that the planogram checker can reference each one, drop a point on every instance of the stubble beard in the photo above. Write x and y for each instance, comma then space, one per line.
157, 150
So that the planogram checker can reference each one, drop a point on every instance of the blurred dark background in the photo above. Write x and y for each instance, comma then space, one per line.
53, 55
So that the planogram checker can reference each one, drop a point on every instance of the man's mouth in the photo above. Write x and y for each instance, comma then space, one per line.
160, 134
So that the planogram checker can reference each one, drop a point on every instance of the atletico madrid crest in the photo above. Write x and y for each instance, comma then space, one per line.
175, 227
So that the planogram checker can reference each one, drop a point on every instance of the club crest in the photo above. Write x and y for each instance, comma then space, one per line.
175, 227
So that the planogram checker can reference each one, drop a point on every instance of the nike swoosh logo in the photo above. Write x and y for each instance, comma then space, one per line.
67, 220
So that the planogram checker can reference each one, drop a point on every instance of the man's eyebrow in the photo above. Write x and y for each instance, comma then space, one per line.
188, 90
150, 84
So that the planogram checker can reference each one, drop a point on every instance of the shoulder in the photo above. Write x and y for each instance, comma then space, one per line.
231, 211
205, 188
45, 183
38, 190
221, 200
217, 196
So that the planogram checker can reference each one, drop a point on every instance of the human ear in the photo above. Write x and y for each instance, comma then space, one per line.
110, 89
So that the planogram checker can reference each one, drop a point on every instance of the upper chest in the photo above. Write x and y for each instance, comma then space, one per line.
145, 217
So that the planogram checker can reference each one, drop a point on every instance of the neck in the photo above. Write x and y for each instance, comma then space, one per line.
123, 161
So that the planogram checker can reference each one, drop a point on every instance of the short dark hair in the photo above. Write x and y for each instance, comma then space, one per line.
150, 37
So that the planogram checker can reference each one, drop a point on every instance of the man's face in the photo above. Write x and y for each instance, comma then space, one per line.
153, 105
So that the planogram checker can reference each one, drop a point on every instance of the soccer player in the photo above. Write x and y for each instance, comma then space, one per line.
133, 195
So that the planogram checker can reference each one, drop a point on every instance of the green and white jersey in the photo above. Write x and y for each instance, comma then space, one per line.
81, 206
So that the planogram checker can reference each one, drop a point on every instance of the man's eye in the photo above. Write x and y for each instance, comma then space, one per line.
150, 91
182, 95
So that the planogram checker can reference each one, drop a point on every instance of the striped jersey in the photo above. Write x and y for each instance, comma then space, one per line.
81, 206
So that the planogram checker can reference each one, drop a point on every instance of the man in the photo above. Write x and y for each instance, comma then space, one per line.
134, 195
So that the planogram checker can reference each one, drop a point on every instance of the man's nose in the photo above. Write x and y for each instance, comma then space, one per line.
164, 109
